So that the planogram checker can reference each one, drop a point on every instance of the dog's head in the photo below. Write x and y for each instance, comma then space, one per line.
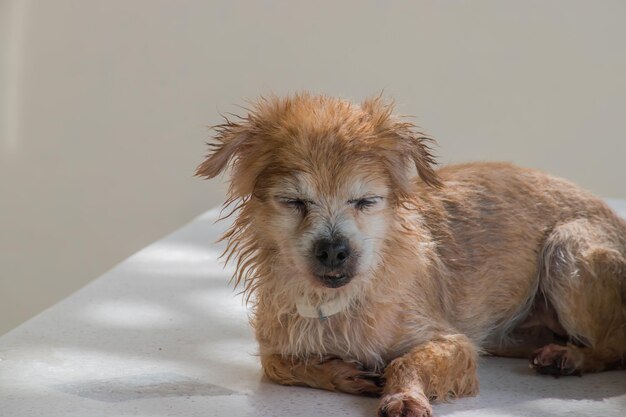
318, 181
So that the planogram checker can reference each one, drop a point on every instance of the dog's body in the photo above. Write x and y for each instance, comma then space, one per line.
355, 269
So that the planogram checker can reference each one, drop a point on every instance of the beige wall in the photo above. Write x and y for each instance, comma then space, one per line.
103, 105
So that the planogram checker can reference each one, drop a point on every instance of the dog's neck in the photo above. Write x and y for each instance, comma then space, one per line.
324, 310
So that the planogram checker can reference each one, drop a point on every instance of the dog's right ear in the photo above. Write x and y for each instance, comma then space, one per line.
230, 143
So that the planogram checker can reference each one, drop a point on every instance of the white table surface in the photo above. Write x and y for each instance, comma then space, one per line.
162, 334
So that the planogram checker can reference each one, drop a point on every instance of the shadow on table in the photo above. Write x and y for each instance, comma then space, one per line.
170, 306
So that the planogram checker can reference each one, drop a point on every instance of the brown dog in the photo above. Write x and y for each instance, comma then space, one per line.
356, 270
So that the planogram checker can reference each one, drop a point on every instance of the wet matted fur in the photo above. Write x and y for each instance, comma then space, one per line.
367, 279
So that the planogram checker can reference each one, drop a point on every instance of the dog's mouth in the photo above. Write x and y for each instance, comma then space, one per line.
334, 280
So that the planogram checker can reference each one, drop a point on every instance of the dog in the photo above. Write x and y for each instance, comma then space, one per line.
368, 271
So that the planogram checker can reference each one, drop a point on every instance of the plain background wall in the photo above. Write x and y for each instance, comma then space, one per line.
103, 105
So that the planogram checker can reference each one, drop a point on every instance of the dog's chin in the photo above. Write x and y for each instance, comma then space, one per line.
334, 280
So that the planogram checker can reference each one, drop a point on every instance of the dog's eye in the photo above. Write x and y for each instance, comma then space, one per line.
365, 203
294, 203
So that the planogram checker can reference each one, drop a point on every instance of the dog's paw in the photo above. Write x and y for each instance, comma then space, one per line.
350, 377
404, 405
557, 360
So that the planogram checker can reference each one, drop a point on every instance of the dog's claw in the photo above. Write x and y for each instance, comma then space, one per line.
372, 376
555, 360
403, 405
368, 375
351, 377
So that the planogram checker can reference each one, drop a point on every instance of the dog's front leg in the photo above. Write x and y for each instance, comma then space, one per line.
329, 373
441, 368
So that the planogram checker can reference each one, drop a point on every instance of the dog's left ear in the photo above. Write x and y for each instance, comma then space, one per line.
403, 145
415, 146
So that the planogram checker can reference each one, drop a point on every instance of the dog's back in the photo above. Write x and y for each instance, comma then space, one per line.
527, 251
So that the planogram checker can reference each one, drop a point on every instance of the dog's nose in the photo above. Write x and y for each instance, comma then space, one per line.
332, 253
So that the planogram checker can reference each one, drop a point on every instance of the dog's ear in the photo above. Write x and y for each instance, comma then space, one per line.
416, 146
403, 144
235, 145
230, 141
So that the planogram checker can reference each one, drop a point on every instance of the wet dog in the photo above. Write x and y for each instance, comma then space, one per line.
370, 272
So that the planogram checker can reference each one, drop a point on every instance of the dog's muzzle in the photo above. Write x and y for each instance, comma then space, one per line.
334, 261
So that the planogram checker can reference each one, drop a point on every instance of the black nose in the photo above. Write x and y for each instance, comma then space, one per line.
331, 253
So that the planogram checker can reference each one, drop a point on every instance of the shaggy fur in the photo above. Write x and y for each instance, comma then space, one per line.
484, 257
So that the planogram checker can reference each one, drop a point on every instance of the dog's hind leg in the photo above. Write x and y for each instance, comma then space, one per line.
329, 373
584, 279
436, 370
522, 342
